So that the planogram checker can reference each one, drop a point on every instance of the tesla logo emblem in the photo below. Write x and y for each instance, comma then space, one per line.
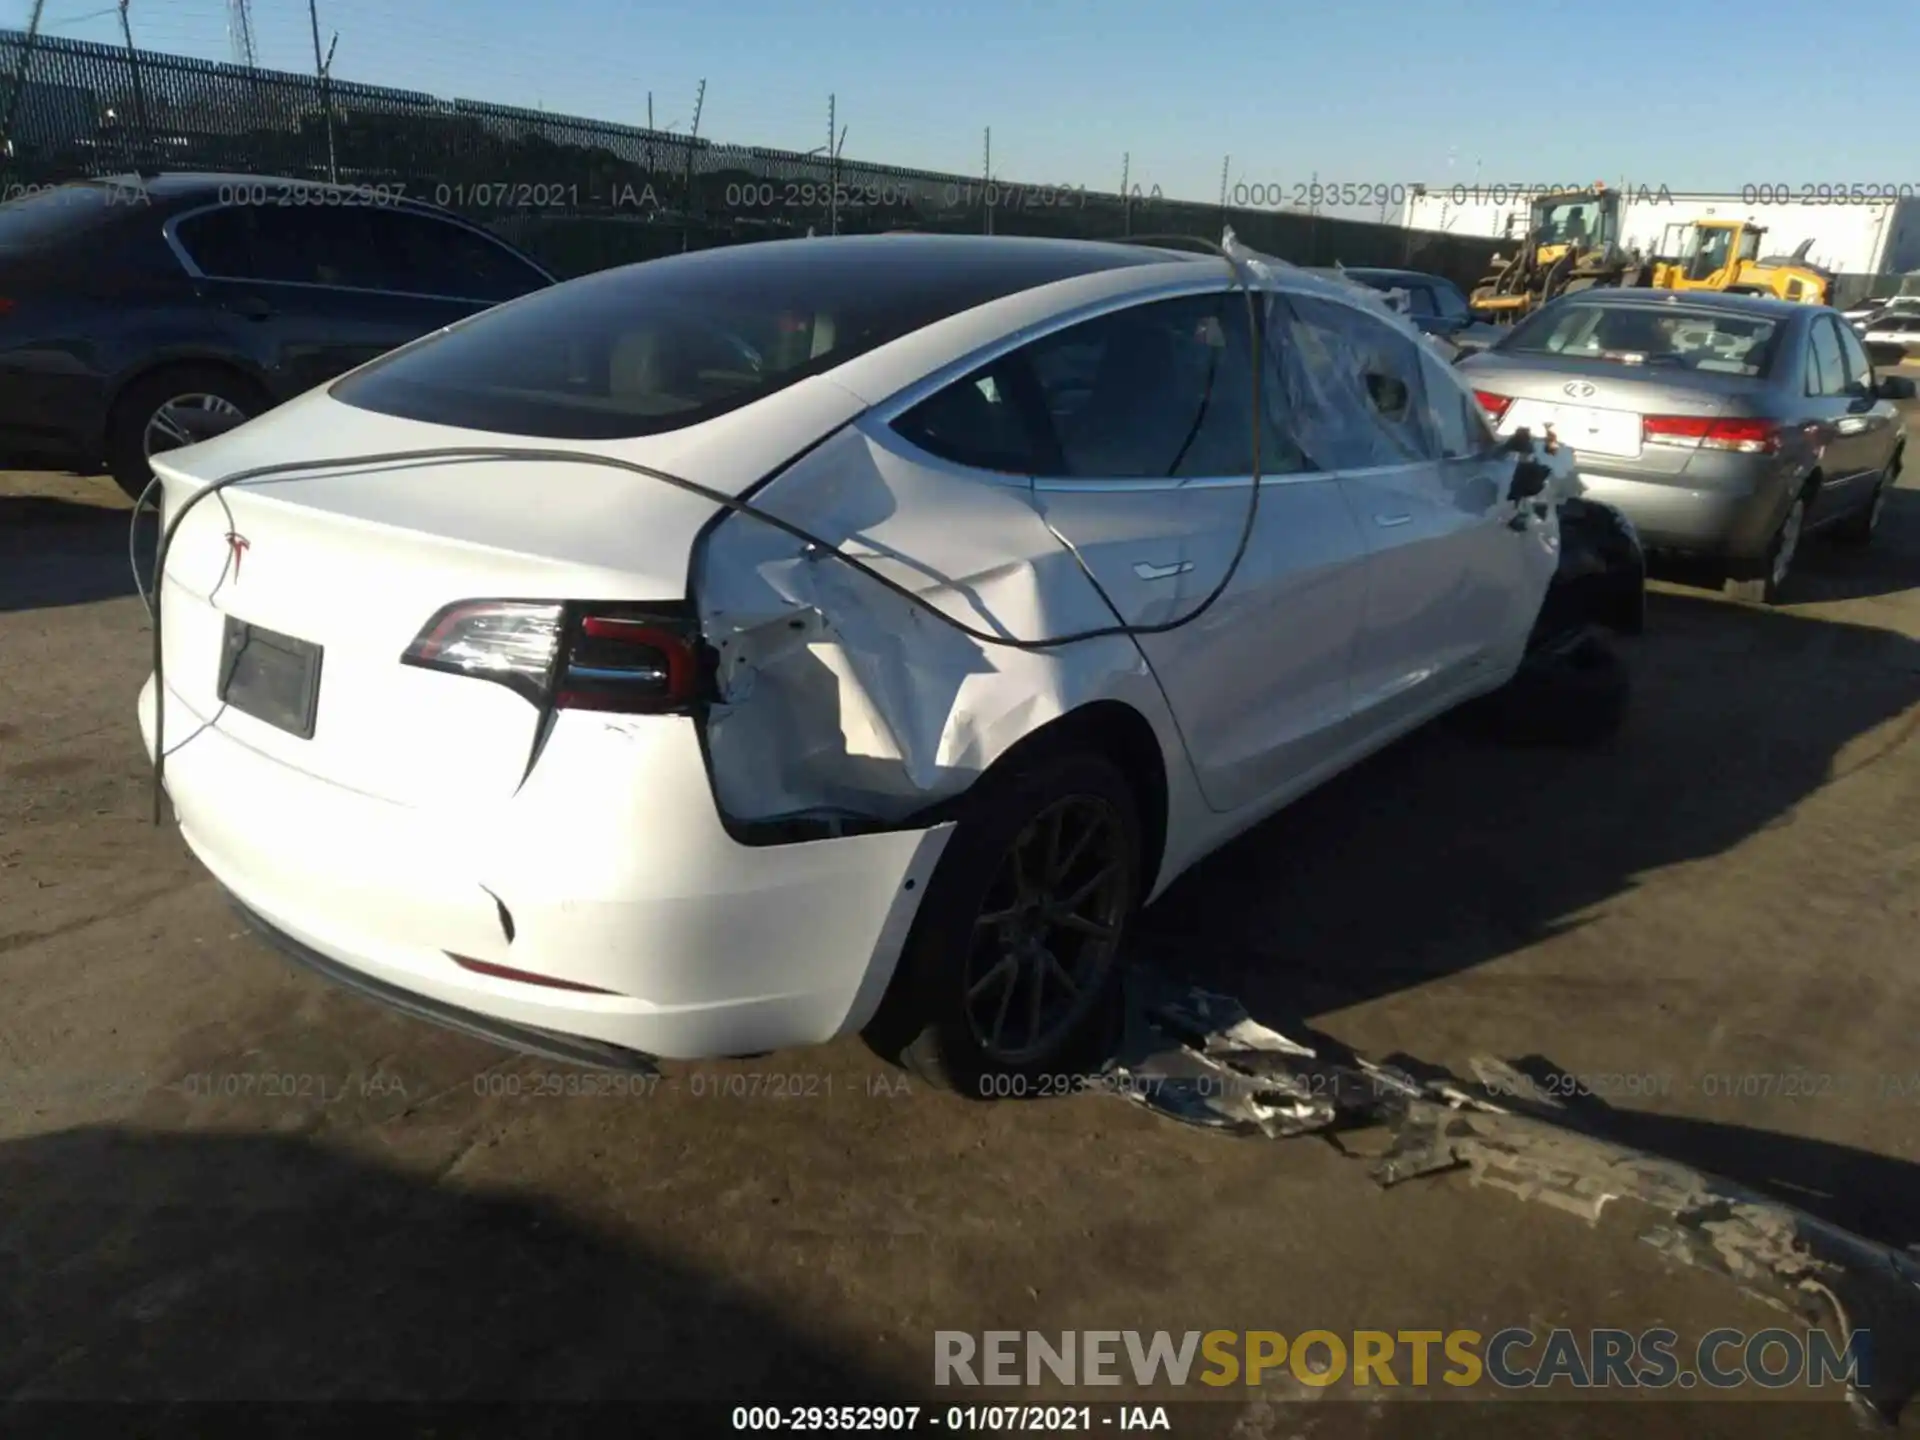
237, 546
1579, 389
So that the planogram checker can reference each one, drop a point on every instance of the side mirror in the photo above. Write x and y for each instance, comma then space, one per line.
1530, 477
1895, 387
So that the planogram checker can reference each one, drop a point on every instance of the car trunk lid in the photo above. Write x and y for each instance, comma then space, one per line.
1599, 408
353, 562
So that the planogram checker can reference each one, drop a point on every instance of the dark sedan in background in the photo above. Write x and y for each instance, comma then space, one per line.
1723, 425
1434, 304
129, 304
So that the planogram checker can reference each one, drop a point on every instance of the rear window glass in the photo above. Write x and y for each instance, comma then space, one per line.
54, 216
670, 343
1672, 337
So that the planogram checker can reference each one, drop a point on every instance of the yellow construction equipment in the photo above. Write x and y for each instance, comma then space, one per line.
1572, 243
1725, 255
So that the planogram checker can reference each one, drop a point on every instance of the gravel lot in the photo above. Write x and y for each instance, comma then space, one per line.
1730, 892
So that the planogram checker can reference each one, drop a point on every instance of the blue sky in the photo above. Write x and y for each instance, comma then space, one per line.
1691, 95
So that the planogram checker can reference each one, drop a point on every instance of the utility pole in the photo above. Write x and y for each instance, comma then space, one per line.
1225, 162
833, 170
986, 177
240, 33
133, 65
1126, 197
322, 69
20, 78
686, 221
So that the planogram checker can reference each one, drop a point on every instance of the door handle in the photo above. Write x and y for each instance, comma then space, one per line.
1389, 521
1161, 572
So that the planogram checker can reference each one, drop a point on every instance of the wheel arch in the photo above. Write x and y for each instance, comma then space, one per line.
1123, 735
241, 370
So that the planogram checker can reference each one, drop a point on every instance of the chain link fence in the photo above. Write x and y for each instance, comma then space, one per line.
578, 194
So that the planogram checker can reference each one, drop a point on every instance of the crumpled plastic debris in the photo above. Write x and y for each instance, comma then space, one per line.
1199, 1057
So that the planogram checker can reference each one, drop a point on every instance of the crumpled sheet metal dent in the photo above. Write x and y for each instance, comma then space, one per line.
1198, 1057
839, 694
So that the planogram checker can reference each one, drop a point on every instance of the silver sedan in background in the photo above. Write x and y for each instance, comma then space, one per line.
1726, 426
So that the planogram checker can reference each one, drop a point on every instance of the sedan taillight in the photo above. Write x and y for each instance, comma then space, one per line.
1700, 432
1496, 406
573, 655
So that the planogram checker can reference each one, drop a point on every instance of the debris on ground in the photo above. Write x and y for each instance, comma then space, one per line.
1199, 1057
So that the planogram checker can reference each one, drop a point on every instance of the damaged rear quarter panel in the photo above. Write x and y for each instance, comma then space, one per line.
838, 695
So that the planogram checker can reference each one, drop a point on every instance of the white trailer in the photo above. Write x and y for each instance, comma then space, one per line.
1871, 237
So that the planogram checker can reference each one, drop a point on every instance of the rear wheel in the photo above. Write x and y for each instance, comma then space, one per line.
1763, 582
157, 413
1012, 970
1859, 528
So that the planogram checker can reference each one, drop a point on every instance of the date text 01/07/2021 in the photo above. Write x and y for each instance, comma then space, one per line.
950, 1419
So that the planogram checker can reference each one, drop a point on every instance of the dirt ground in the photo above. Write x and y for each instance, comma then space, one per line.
1729, 893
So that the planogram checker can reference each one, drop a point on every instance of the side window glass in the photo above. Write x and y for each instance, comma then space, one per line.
1460, 427
1153, 392
315, 245
975, 422
1832, 366
1859, 367
1420, 301
1451, 304
217, 242
428, 256
1354, 386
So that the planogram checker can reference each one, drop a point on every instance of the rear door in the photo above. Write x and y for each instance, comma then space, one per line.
1845, 420
1448, 579
1147, 471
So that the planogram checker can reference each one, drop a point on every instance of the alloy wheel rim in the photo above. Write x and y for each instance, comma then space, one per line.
1048, 930
1789, 541
167, 431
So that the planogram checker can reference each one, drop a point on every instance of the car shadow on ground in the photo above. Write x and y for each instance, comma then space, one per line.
1826, 570
56, 552
1447, 850
143, 1266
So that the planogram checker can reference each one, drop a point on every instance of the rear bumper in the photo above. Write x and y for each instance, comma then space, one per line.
609, 866
1733, 522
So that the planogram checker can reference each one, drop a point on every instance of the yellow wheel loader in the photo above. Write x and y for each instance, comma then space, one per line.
1572, 243
1725, 255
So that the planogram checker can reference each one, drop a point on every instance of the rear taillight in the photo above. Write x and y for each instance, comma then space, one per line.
1700, 432
1495, 405
576, 655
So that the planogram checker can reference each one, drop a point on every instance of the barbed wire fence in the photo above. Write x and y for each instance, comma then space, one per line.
583, 194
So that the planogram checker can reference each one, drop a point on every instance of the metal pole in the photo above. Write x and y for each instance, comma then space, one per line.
686, 212
1224, 163
1126, 197
833, 172
986, 165
320, 68
20, 78
133, 64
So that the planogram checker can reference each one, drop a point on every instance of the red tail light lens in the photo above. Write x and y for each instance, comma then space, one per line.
1496, 406
574, 655
1701, 432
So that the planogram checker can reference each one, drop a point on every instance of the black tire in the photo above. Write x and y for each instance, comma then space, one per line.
925, 1021
1764, 581
143, 399
1859, 528
1572, 694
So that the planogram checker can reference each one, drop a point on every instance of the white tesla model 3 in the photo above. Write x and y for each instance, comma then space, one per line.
967, 629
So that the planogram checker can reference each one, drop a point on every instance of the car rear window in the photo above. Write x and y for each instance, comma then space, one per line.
1724, 342
669, 343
